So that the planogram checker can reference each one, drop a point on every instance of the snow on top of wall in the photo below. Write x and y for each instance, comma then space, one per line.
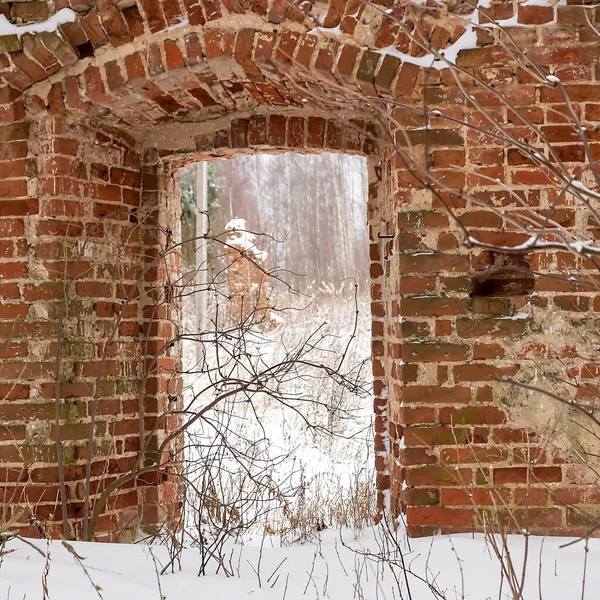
64, 15
244, 240
467, 41
235, 224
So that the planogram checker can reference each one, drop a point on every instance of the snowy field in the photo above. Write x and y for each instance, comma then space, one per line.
319, 439
334, 568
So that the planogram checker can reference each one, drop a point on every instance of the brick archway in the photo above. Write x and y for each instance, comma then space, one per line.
93, 122
102, 221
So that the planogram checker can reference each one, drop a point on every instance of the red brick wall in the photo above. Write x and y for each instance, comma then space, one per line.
74, 264
87, 199
461, 451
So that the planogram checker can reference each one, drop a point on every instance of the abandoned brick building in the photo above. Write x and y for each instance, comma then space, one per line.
102, 100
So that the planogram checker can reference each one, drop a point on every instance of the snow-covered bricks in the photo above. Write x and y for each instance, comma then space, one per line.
249, 285
102, 101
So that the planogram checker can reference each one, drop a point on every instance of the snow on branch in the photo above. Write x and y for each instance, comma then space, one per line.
585, 248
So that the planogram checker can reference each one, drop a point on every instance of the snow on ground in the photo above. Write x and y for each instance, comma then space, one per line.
460, 566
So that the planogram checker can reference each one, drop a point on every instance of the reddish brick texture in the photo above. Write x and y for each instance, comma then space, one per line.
96, 118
